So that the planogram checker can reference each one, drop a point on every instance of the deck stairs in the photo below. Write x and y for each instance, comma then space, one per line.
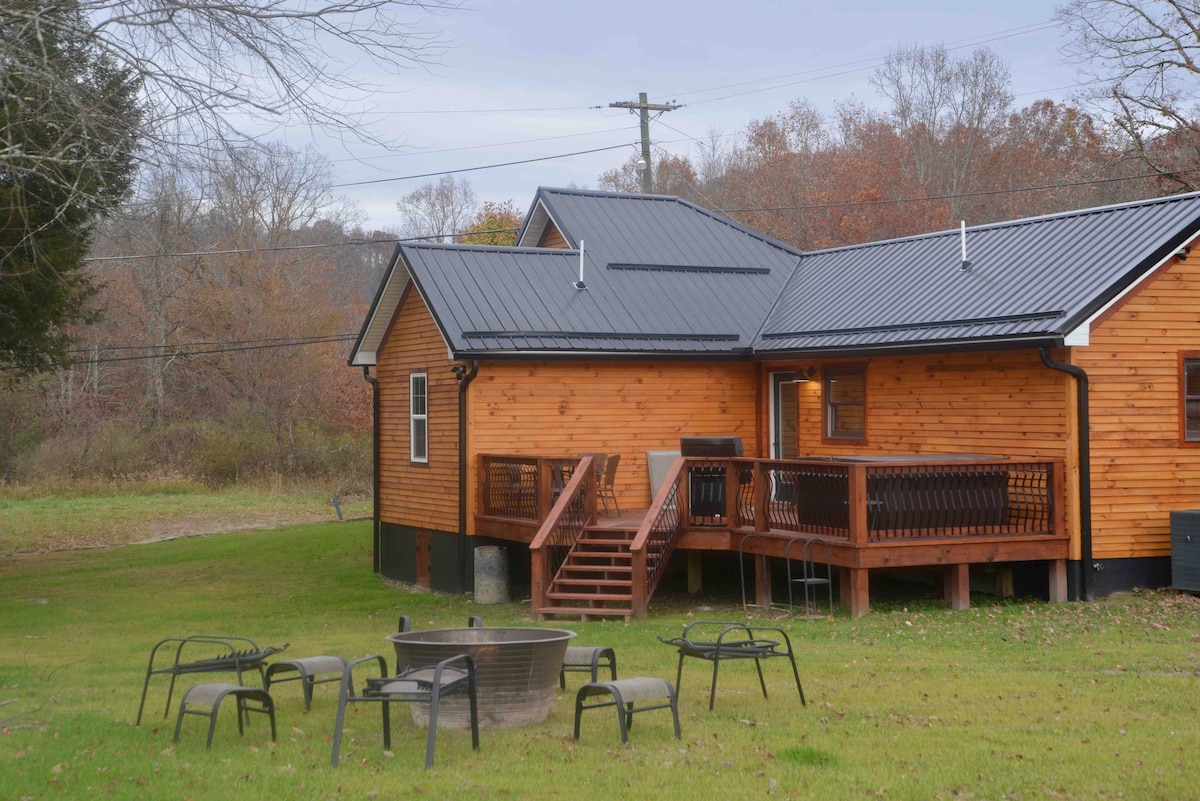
596, 577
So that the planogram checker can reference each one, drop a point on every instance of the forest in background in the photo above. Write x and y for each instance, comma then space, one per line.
231, 288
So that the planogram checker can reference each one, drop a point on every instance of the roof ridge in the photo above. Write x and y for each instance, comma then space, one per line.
715, 216
1061, 215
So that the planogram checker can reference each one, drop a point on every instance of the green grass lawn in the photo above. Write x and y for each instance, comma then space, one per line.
82, 516
1003, 701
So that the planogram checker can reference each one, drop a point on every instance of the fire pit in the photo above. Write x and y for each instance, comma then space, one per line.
516, 670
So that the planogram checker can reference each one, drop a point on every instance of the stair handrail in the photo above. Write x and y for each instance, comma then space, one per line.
654, 542
572, 512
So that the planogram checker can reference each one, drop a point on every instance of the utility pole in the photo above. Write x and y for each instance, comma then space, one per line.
645, 108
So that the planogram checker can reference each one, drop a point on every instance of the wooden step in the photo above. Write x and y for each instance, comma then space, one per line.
590, 581
586, 612
589, 569
588, 596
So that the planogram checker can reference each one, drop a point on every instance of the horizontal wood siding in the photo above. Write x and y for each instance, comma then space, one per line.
1002, 403
569, 408
1140, 468
552, 238
419, 495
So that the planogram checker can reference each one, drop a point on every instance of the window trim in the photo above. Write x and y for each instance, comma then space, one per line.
827, 406
1184, 358
414, 417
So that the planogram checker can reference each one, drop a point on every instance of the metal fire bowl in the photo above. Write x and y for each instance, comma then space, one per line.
516, 672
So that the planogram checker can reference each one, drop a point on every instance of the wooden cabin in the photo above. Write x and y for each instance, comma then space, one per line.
1034, 406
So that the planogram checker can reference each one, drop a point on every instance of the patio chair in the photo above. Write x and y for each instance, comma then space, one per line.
413, 685
234, 655
734, 641
604, 486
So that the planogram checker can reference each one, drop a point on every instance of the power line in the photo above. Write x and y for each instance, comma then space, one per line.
854, 66
475, 169
206, 343
211, 351
862, 64
424, 152
275, 248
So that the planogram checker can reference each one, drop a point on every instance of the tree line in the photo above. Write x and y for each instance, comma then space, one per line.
180, 298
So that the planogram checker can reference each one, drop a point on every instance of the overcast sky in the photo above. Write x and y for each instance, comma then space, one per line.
521, 72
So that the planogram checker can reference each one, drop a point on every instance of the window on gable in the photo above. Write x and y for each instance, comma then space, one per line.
845, 403
418, 400
1191, 399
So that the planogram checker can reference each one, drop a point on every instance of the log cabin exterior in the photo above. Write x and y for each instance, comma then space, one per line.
621, 323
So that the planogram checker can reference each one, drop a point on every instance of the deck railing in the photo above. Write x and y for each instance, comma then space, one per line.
522, 487
883, 502
573, 510
654, 542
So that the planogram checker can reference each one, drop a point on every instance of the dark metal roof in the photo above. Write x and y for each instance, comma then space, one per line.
662, 275
1030, 280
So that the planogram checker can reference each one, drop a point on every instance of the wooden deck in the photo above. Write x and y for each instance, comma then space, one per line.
871, 514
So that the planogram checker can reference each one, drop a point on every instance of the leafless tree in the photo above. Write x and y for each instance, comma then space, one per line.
438, 209
948, 108
1145, 56
216, 71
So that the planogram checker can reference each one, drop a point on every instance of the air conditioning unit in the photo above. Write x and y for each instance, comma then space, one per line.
1185, 550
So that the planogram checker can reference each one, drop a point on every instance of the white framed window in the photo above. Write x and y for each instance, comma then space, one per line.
418, 415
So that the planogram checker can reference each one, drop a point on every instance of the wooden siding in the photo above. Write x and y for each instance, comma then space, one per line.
1140, 468
570, 408
1004, 403
425, 495
552, 238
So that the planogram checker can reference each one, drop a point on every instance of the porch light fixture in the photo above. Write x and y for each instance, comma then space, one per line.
801, 376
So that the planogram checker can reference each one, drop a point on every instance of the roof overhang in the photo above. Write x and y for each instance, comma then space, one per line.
1080, 336
391, 289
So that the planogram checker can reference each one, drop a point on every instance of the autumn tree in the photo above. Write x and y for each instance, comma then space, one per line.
496, 223
1145, 57
673, 175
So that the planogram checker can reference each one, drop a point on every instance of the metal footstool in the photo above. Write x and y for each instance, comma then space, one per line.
208, 697
308, 668
625, 695
584, 659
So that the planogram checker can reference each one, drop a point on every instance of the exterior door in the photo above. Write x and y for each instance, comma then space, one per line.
785, 416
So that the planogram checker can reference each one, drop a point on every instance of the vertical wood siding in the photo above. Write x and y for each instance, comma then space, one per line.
1140, 468
425, 495
572, 407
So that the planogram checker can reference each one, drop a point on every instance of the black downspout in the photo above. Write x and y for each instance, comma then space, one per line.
464, 380
1084, 576
374, 467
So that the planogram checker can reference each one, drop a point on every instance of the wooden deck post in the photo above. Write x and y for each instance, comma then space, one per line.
1058, 581
958, 586
640, 601
537, 582
762, 580
857, 502
854, 590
